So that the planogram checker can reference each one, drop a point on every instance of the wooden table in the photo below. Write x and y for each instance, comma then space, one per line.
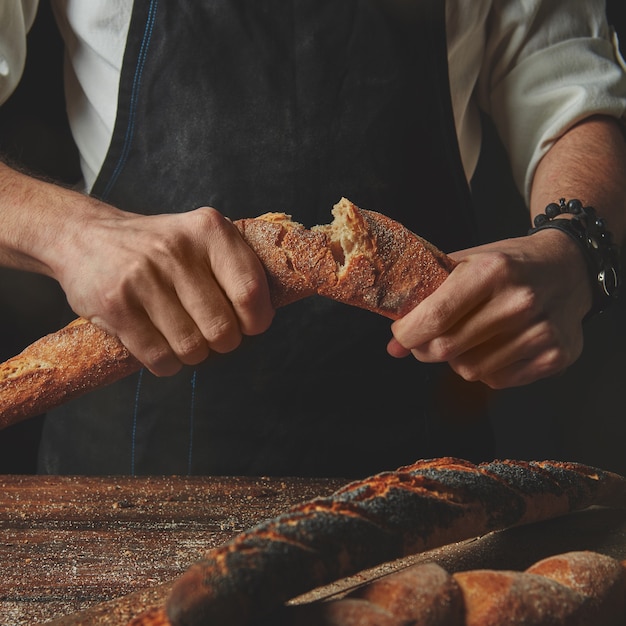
69, 543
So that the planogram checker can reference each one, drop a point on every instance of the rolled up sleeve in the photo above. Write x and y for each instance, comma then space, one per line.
552, 65
16, 18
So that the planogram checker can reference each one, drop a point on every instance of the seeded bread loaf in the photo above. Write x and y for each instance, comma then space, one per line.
419, 507
430, 503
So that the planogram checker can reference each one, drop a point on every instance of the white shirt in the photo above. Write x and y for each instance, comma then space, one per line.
537, 67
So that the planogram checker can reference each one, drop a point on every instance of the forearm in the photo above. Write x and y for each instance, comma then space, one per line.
511, 311
588, 163
40, 220
173, 287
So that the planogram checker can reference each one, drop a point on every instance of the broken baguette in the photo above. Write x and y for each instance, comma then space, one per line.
362, 258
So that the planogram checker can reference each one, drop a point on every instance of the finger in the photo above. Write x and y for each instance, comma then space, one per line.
507, 314
195, 317
518, 374
509, 360
207, 308
243, 280
170, 316
396, 350
464, 290
161, 315
144, 341
230, 276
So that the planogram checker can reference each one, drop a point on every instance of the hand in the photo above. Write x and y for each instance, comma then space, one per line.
172, 287
510, 313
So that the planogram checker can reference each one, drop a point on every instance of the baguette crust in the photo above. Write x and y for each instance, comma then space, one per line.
58, 367
390, 515
363, 259
571, 589
424, 595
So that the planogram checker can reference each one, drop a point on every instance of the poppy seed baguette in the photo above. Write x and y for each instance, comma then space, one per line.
393, 514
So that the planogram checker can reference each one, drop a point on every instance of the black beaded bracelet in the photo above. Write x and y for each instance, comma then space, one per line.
596, 243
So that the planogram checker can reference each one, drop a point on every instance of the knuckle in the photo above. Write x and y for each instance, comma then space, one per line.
247, 292
111, 296
497, 265
556, 352
160, 361
469, 373
115, 307
526, 303
123, 287
432, 324
250, 302
109, 306
222, 334
442, 348
191, 349
553, 361
208, 220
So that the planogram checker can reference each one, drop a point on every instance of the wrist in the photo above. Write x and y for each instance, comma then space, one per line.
41, 223
594, 241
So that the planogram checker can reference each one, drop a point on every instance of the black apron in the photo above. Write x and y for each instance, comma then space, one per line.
280, 105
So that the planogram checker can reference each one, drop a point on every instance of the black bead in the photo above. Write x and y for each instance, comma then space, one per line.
590, 232
575, 206
552, 210
590, 212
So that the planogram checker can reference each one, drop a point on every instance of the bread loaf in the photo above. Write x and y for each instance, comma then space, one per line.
393, 514
362, 258
60, 366
152, 617
571, 589
548, 593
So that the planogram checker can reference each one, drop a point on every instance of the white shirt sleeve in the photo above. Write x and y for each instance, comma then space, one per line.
547, 66
16, 18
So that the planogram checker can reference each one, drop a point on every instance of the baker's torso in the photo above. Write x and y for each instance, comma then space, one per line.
272, 105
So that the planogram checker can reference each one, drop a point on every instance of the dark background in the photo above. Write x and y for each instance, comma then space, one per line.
580, 415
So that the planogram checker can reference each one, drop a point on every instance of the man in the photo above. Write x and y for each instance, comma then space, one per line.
249, 107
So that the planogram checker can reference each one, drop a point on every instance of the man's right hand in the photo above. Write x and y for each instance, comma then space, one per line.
172, 287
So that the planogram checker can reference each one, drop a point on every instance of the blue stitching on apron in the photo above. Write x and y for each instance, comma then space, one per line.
143, 53
191, 419
133, 442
